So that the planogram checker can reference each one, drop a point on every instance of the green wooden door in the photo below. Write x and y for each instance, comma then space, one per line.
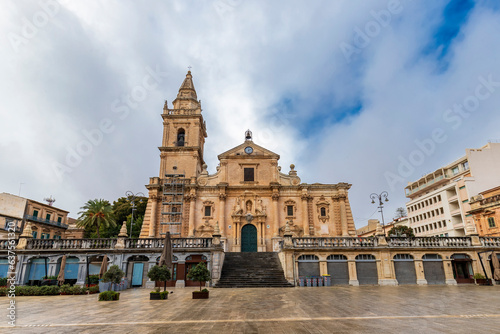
249, 238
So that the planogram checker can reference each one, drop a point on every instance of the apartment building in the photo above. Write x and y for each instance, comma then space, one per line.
47, 221
439, 201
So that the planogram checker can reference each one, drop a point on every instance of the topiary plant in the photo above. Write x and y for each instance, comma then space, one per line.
200, 273
114, 275
160, 274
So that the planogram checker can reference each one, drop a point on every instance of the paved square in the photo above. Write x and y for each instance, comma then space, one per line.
365, 309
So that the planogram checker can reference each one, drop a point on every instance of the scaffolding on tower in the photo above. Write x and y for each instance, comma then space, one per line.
172, 202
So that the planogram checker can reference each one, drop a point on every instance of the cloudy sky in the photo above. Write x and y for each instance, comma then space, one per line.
373, 93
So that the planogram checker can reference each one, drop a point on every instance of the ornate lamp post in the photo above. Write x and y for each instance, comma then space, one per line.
132, 202
381, 198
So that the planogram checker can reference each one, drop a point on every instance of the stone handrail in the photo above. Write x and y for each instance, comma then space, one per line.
71, 243
6, 244
144, 243
313, 242
176, 243
490, 241
36, 244
430, 242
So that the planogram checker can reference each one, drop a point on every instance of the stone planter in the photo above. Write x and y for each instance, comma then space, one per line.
154, 296
200, 294
104, 286
483, 281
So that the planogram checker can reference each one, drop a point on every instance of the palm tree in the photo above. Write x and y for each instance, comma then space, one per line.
97, 212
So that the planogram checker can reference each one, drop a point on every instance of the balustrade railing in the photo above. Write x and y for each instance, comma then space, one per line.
111, 243
423, 242
71, 243
176, 243
490, 241
8, 244
312, 242
430, 242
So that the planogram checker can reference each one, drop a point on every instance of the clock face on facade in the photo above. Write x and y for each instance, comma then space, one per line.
248, 150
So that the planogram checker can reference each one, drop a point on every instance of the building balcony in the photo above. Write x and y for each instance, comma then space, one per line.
45, 221
441, 179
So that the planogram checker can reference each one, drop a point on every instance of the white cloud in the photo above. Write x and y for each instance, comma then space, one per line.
247, 57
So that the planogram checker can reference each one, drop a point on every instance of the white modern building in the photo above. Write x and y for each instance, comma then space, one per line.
439, 200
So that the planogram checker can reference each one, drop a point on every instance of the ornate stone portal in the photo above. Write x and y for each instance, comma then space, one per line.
248, 188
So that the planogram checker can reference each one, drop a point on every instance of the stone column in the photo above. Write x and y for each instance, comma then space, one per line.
353, 274
275, 215
343, 216
305, 220
222, 213
152, 222
419, 270
192, 202
386, 273
448, 272
323, 268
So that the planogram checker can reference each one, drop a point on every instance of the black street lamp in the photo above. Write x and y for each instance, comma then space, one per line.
381, 198
132, 202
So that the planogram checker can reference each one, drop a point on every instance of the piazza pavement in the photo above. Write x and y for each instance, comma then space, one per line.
339, 309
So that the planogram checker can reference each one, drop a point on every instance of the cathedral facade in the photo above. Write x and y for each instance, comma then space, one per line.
248, 201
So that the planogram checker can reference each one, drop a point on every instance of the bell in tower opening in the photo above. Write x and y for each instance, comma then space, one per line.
248, 135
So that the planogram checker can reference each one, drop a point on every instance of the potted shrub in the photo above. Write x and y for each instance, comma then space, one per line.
481, 280
201, 274
159, 274
92, 280
114, 275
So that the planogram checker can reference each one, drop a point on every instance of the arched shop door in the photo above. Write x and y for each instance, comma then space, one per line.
433, 269
249, 238
404, 267
462, 268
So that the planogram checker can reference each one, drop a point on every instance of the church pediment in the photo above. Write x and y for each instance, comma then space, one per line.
248, 149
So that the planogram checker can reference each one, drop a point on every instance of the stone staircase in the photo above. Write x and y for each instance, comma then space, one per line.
252, 270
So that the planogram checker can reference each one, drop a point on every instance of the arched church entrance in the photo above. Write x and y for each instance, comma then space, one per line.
249, 238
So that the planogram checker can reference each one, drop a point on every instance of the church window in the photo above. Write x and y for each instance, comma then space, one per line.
248, 174
208, 211
181, 134
491, 222
289, 210
323, 212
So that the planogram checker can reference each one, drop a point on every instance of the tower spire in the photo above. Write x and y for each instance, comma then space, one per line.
186, 97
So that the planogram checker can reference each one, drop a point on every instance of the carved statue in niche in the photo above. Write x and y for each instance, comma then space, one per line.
249, 206
237, 207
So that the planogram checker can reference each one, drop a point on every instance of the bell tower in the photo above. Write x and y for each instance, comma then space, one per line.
181, 152
184, 133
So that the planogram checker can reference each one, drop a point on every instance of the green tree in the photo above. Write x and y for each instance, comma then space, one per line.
400, 230
114, 274
95, 214
200, 273
160, 274
122, 208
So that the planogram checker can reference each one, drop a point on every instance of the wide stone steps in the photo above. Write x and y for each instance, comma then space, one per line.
252, 270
